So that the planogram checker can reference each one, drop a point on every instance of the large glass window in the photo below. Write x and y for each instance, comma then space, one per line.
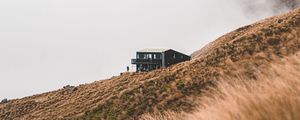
157, 56
141, 56
149, 56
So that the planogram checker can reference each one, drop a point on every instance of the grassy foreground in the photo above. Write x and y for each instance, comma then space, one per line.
275, 95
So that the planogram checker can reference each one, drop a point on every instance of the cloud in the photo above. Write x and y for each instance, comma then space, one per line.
261, 8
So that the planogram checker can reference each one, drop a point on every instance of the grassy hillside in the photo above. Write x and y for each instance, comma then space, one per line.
243, 51
273, 96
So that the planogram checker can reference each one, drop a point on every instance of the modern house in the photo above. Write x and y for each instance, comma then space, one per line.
151, 59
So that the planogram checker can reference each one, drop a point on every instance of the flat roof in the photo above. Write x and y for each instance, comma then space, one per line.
153, 50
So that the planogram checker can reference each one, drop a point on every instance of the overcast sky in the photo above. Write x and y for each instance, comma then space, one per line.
46, 44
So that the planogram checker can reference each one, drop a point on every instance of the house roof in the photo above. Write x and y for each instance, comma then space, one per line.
153, 50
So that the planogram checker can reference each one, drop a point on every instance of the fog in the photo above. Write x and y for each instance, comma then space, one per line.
46, 44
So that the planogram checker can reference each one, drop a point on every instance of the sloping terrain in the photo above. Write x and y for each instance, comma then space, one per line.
130, 95
273, 96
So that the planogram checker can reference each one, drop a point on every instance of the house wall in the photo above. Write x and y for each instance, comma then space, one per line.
172, 57
146, 62
150, 61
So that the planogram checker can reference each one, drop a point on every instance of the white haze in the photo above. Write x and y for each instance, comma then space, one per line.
46, 44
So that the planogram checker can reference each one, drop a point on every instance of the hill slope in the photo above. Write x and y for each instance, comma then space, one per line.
130, 95
273, 96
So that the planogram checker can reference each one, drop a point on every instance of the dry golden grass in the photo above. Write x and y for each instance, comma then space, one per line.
274, 96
